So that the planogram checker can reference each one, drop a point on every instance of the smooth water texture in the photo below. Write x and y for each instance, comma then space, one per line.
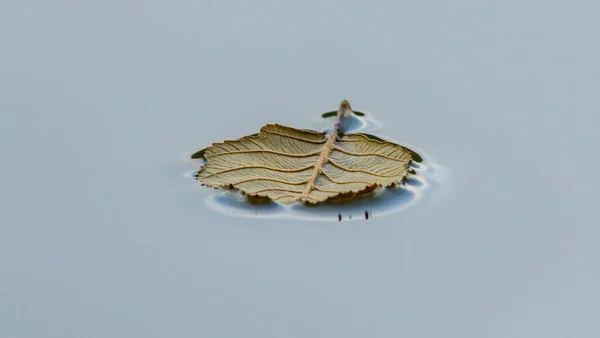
102, 103
424, 175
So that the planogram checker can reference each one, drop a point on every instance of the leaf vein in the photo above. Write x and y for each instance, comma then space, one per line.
358, 170
264, 151
257, 167
368, 154
293, 137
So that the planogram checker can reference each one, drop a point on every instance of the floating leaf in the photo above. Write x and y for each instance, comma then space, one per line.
288, 165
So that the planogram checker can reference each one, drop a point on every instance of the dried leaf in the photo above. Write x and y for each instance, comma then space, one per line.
288, 165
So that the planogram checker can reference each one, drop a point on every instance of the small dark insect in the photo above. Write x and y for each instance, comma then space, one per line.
339, 217
366, 214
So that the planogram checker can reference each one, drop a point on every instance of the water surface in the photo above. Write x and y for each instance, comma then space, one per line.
102, 103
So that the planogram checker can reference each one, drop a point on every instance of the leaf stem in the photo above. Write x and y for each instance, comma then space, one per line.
343, 111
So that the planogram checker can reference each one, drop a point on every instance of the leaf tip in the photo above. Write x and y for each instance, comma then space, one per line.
345, 105
345, 109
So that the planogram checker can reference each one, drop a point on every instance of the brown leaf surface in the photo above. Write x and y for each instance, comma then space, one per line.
289, 165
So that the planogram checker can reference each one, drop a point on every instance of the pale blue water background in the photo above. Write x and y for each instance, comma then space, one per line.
102, 236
